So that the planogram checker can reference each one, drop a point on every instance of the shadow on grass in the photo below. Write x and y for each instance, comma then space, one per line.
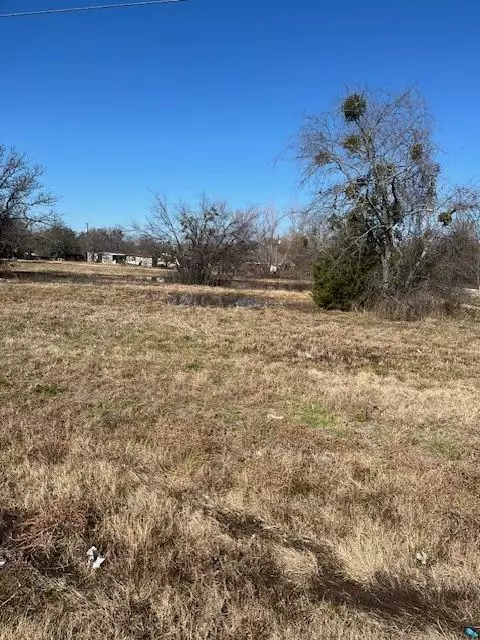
394, 599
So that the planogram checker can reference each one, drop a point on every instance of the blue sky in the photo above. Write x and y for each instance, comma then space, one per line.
204, 95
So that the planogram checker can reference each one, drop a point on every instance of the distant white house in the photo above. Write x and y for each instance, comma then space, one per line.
106, 257
141, 261
109, 257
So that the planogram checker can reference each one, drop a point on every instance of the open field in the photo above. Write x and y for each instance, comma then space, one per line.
249, 473
85, 268
80, 270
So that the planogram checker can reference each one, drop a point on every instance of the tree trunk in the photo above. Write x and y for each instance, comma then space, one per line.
386, 257
387, 254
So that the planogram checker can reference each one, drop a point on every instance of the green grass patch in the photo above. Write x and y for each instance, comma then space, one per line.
193, 366
444, 449
317, 416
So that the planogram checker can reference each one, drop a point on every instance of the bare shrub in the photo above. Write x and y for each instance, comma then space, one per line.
416, 305
208, 242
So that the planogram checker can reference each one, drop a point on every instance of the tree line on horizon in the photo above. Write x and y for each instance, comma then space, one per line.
258, 240
384, 227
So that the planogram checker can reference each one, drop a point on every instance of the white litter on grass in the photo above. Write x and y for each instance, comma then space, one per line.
100, 560
95, 560
272, 416
422, 557
3, 561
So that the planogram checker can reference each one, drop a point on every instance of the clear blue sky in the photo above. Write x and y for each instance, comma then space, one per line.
204, 95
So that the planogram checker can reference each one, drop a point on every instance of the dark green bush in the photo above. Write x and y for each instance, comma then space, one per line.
345, 274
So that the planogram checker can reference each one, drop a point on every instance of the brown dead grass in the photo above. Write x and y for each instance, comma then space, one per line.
84, 268
263, 474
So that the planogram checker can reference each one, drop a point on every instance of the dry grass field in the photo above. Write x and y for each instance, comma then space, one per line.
260, 474
85, 268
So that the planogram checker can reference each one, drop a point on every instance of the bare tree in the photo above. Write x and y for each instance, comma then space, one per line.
23, 198
57, 241
456, 256
208, 242
373, 158
272, 249
105, 239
